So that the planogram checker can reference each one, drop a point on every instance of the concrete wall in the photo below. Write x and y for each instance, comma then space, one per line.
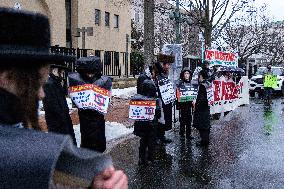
106, 38
55, 10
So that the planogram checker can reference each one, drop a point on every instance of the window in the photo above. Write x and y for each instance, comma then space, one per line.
106, 18
68, 23
116, 58
97, 16
98, 53
107, 58
116, 21
137, 16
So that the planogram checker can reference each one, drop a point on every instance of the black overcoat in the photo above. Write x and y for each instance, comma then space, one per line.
56, 109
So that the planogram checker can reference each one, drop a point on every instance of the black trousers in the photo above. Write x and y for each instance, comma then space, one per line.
185, 122
162, 128
147, 148
92, 128
204, 135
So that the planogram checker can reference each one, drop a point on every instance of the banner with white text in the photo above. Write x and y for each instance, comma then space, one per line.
228, 95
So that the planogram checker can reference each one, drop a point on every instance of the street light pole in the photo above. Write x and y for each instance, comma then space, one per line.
84, 30
201, 38
177, 18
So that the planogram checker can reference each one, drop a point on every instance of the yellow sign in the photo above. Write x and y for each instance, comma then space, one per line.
270, 81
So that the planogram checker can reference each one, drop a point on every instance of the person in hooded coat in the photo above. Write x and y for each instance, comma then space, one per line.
147, 74
201, 117
146, 129
92, 122
55, 105
185, 107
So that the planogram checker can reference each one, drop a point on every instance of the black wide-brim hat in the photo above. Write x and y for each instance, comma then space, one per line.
166, 59
26, 36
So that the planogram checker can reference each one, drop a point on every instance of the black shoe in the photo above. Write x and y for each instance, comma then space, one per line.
166, 140
202, 143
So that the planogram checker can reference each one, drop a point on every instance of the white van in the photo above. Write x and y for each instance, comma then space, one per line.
256, 82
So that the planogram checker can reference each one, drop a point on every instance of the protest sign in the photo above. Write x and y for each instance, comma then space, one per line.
270, 81
228, 95
90, 96
142, 110
220, 58
210, 95
167, 90
187, 93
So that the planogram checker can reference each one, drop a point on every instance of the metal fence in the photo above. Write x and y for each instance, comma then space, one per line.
110, 59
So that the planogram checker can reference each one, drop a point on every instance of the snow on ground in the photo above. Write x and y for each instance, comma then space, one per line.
113, 131
125, 93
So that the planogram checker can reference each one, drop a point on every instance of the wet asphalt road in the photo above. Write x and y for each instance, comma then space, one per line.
246, 151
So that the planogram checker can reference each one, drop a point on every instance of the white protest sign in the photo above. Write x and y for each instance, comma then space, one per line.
167, 91
142, 109
228, 95
90, 96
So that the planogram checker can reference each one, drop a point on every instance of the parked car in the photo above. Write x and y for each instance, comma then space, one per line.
256, 82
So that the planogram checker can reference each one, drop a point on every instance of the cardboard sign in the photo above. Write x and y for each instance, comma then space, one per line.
187, 93
219, 58
142, 109
90, 96
167, 91
270, 81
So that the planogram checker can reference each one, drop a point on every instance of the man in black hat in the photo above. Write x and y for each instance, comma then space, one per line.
55, 106
92, 122
162, 68
29, 158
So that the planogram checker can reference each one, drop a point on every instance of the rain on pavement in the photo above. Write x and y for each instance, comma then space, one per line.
246, 151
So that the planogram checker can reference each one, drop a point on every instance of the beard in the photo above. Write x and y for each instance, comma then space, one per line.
27, 80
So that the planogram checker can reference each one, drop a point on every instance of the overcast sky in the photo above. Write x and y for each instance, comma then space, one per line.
275, 8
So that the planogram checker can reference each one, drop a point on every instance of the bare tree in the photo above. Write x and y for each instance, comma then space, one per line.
164, 28
274, 47
246, 34
212, 16
254, 33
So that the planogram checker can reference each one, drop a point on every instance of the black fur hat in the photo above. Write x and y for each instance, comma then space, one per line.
26, 36
148, 88
89, 64
164, 58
